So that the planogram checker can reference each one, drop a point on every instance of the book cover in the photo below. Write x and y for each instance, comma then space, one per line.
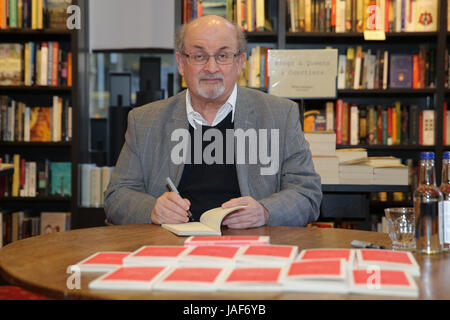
383, 282
267, 255
56, 15
61, 178
129, 278
104, 261
10, 64
211, 255
425, 15
388, 259
54, 222
428, 123
400, 71
155, 255
327, 253
40, 124
191, 279
322, 275
252, 279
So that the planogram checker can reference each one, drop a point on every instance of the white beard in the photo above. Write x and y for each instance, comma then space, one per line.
211, 92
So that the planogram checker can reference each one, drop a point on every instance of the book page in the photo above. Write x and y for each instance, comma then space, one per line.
213, 218
190, 228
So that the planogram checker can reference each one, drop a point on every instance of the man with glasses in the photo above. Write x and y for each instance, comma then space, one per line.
210, 55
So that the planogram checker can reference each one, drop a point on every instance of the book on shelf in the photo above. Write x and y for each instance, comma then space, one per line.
209, 224
349, 154
33, 14
323, 275
61, 178
400, 71
129, 278
359, 16
184, 278
22, 122
10, 64
227, 240
52, 222
93, 182
255, 278
103, 261
155, 255
328, 168
31, 63
251, 16
267, 255
321, 143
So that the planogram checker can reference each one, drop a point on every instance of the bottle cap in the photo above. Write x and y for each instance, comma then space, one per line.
446, 155
427, 156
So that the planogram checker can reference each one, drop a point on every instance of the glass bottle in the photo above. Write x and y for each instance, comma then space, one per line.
427, 205
445, 189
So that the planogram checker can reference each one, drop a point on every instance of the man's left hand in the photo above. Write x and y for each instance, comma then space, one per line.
252, 216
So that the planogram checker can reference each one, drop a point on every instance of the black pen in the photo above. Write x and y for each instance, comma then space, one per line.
174, 189
363, 244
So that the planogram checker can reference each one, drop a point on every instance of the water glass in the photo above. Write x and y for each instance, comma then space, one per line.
401, 224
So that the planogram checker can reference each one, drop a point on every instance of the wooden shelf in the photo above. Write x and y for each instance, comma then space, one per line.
386, 147
343, 37
386, 92
18, 35
35, 89
359, 188
35, 144
35, 199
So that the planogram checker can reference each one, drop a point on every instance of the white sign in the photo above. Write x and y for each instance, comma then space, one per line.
307, 73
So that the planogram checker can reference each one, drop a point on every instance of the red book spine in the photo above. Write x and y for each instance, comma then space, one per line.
333, 13
339, 119
55, 62
389, 128
416, 83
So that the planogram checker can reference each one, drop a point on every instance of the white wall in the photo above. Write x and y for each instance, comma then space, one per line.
127, 24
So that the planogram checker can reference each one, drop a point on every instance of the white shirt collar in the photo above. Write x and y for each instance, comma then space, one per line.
195, 117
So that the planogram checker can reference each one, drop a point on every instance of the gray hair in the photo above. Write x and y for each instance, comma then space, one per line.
179, 38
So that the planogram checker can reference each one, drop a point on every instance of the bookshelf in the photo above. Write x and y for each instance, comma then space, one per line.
403, 42
60, 150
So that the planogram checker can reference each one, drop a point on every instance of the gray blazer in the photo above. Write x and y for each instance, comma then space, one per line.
292, 196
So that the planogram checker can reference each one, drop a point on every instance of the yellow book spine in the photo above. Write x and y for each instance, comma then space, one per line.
16, 176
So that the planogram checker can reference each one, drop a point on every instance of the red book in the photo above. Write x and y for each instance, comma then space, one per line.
386, 16
155, 255
102, 261
325, 253
253, 279
333, 13
55, 63
387, 282
268, 255
389, 128
191, 279
22, 172
323, 275
211, 255
129, 278
226, 240
387, 259
416, 70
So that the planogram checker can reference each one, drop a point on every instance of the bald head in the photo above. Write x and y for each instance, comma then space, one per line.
209, 23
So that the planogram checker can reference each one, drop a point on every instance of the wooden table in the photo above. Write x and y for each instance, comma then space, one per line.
40, 263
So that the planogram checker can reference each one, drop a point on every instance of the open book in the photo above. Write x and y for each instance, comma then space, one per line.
209, 225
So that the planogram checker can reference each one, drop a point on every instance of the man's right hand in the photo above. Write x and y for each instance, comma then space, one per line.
170, 208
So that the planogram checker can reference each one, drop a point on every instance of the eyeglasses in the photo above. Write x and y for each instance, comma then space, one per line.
203, 58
